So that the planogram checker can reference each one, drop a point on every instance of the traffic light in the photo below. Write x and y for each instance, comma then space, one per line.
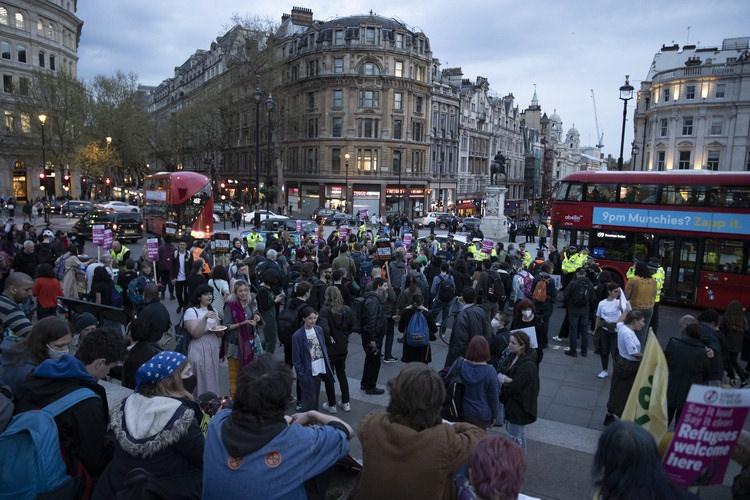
42, 176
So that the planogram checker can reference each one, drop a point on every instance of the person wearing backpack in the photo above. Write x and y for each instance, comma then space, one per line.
137, 285
481, 398
578, 296
82, 425
444, 290
419, 328
544, 295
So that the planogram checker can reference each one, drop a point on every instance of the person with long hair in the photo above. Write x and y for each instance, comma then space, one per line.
412, 434
734, 326
627, 466
101, 287
481, 387
220, 283
519, 377
608, 312
202, 322
337, 321
495, 471
195, 278
46, 290
421, 354
525, 316
49, 338
157, 430
242, 321
626, 363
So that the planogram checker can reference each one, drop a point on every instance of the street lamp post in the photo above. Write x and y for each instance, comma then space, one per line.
269, 107
635, 149
626, 94
400, 168
42, 122
108, 189
346, 182
256, 201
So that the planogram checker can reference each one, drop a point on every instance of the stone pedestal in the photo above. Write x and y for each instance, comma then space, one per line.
494, 223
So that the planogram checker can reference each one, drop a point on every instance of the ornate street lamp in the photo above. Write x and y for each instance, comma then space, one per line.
270, 104
42, 121
258, 96
626, 94
346, 182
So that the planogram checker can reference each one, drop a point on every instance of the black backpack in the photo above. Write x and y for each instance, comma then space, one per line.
495, 288
288, 322
360, 311
580, 294
446, 290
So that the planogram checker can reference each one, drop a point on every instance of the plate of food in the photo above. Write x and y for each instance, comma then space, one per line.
218, 328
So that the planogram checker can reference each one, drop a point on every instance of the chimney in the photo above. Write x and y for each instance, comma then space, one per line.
302, 16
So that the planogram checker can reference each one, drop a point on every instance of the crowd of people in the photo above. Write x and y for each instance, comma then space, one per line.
306, 298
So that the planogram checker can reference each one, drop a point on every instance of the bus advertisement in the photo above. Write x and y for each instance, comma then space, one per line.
696, 223
177, 204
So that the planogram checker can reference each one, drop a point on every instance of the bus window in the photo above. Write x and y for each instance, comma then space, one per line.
723, 256
561, 191
737, 197
567, 237
575, 193
638, 193
611, 245
601, 192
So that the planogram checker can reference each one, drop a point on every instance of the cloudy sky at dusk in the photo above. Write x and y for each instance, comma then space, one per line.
565, 47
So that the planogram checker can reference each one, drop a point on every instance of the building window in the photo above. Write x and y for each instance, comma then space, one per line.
396, 162
312, 68
712, 162
337, 125
3, 16
717, 125
21, 53
311, 160
417, 162
368, 99
399, 40
370, 69
338, 98
398, 101
397, 129
311, 101
25, 123
8, 84
687, 125
9, 121
398, 69
367, 127
421, 73
684, 162
418, 104
367, 160
23, 86
661, 157
41, 59
312, 128
50, 31
663, 127
39, 27
338, 37
721, 90
336, 160
417, 132
5, 50
338, 66
690, 92
666, 94
370, 36
19, 21
52, 62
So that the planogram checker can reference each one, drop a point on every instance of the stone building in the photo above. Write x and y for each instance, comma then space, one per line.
444, 135
693, 109
35, 35
355, 101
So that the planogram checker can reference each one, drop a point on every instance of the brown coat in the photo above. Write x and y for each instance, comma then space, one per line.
402, 463
641, 292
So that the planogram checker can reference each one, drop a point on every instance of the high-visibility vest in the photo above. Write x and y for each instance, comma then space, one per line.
569, 264
659, 276
253, 239
630, 273
119, 257
526, 260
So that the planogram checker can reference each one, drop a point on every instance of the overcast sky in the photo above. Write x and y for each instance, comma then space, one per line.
566, 47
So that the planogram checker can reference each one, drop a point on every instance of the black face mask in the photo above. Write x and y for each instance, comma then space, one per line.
190, 383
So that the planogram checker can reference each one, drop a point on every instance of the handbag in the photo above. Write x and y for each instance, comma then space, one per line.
182, 336
453, 407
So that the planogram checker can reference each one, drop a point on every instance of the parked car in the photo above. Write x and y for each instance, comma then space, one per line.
469, 224
264, 214
124, 226
277, 224
52, 206
445, 221
430, 219
120, 206
76, 208
321, 215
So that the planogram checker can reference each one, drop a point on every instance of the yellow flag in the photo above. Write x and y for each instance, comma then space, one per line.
647, 402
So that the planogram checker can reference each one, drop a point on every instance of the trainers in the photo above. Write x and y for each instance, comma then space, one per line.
390, 360
345, 406
558, 339
602, 374
374, 391
329, 408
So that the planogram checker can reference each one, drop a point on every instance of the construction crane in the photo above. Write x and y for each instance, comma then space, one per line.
599, 136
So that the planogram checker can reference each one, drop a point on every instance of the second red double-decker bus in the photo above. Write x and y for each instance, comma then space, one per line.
696, 223
177, 204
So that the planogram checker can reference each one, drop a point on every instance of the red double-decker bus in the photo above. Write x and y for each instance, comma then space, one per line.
177, 204
696, 222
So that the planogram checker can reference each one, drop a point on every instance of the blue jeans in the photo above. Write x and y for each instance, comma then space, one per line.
441, 309
517, 434
578, 324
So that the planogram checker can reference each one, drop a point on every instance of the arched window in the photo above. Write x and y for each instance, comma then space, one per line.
369, 69
3, 16
19, 21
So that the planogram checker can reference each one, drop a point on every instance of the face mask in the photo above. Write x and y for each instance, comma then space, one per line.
527, 313
496, 324
190, 383
53, 353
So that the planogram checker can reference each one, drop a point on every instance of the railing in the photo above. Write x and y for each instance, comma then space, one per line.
692, 71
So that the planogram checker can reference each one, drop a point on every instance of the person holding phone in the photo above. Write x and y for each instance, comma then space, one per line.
203, 324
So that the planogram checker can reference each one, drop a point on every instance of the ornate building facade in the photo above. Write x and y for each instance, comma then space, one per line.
693, 109
35, 35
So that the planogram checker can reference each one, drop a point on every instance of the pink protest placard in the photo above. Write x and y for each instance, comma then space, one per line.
107, 239
408, 240
710, 423
152, 247
299, 226
343, 233
97, 234
487, 246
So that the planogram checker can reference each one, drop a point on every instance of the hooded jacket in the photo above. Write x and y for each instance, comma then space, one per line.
336, 328
162, 436
16, 363
82, 428
481, 391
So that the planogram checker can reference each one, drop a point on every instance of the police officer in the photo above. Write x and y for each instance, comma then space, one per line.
569, 264
120, 253
659, 275
253, 239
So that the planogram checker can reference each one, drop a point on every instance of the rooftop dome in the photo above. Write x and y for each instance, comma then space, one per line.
356, 21
554, 117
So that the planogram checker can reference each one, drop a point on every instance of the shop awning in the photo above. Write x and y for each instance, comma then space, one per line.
466, 204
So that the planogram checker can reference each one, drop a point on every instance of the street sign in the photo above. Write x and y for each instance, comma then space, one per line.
97, 234
152, 247
408, 240
221, 243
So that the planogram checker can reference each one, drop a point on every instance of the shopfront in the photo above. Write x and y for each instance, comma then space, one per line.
20, 186
366, 197
409, 199
467, 208
310, 198
334, 196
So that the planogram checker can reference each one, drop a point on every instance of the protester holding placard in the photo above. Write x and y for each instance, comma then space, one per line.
525, 318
